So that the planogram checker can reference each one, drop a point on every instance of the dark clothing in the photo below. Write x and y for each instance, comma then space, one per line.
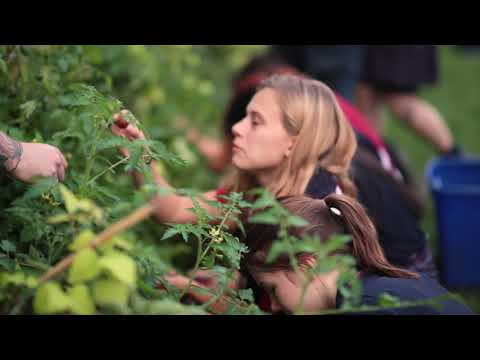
321, 184
410, 290
400, 68
399, 232
422, 262
338, 66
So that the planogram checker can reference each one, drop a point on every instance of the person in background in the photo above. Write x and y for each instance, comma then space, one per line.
392, 76
28, 161
338, 66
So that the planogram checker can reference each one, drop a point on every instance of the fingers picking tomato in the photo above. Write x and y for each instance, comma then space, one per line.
121, 123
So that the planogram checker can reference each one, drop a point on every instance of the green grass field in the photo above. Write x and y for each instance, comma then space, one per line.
457, 98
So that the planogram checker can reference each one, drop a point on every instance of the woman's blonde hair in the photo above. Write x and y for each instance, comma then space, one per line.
324, 138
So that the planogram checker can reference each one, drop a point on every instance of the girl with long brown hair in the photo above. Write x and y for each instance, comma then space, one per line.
337, 214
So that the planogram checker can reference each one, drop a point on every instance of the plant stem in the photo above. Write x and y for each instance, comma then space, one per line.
299, 309
90, 161
122, 225
219, 295
201, 255
195, 269
108, 169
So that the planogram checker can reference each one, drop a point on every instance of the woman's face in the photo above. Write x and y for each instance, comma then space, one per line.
260, 141
284, 288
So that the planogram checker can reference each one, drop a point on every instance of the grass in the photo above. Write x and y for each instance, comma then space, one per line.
457, 98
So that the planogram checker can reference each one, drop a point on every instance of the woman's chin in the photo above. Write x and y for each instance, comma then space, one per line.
237, 163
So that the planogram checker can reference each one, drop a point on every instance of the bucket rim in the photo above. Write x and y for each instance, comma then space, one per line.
438, 162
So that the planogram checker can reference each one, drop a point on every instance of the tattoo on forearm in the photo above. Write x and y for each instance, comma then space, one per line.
9, 149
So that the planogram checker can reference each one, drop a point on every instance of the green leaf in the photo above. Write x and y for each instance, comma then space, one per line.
267, 217
50, 299
69, 133
112, 143
171, 232
246, 295
7, 263
233, 249
58, 219
7, 246
122, 267
3, 66
71, 202
82, 240
136, 153
110, 292
28, 108
18, 278
208, 261
169, 307
240, 225
117, 241
265, 200
31, 282
93, 210
296, 221
42, 186
107, 194
180, 146
85, 267
81, 301
386, 300
278, 248
161, 152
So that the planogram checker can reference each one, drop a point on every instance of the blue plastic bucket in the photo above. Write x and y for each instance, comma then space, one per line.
455, 186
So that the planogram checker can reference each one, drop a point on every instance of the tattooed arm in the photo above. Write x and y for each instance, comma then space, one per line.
10, 151
27, 161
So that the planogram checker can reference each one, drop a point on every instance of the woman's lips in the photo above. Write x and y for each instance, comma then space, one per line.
236, 147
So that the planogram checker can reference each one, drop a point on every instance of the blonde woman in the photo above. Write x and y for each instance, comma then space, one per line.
294, 129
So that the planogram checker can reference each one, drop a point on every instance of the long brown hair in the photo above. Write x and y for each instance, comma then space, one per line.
324, 137
336, 214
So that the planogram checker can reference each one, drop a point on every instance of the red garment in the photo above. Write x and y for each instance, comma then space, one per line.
221, 191
360, 123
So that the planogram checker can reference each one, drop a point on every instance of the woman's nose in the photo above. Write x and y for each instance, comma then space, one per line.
237, 128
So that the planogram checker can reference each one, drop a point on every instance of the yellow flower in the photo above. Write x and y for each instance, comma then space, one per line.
217, 235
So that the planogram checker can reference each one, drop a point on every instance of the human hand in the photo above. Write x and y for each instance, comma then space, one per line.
38, 160
125, 129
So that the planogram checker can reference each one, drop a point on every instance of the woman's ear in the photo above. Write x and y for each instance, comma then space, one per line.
291, 146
